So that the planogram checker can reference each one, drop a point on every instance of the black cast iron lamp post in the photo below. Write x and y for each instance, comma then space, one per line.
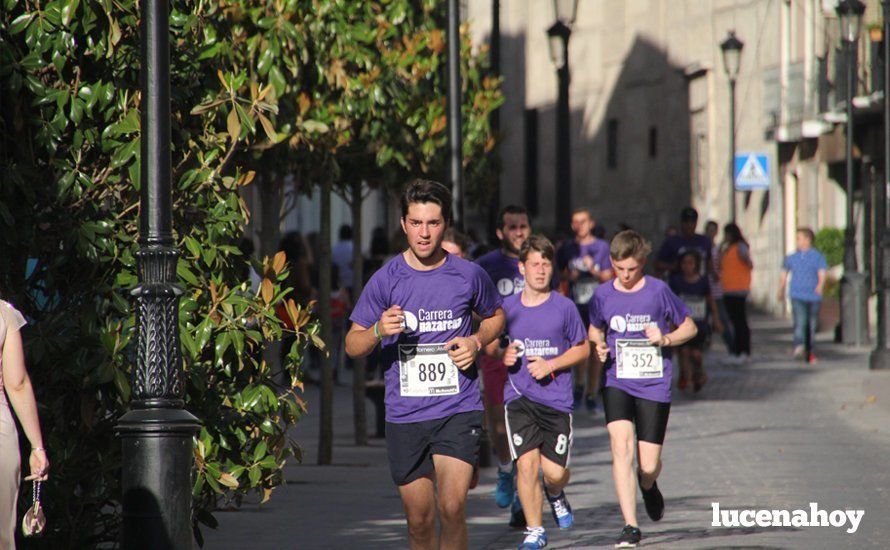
156, 434
558, 41
854, 297
880, 356
732, 58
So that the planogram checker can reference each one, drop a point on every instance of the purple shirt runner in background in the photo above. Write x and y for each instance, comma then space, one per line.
438, 306
571, 256
624, 317
547, 330
675, 245
695, 296
504, 272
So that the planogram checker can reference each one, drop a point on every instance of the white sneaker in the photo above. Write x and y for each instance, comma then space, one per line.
798, 352
733, 360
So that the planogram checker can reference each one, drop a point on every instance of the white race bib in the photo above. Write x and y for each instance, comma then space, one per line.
698, 307
426, 370
637, 359
582, 291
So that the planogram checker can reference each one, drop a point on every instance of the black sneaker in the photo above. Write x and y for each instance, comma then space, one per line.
629, 538
653, 500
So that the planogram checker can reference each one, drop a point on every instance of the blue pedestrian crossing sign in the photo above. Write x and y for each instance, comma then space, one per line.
751, 171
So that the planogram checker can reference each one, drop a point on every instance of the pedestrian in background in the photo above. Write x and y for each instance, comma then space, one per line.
712, 229
807, 267
735, 276
16, 384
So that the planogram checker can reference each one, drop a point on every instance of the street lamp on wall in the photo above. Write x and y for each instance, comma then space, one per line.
732, 59
854, 311
849, 13
558, 42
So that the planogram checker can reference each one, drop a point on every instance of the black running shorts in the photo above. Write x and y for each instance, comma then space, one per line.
650, 418
531, 426
411, 446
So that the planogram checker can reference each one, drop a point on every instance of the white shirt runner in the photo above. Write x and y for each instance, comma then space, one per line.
637, 359
426, 370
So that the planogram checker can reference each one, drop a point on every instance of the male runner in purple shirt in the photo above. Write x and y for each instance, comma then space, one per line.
418, 307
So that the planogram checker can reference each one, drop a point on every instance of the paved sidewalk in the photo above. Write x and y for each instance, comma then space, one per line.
774, 434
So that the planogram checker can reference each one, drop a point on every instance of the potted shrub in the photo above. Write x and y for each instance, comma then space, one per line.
830, 242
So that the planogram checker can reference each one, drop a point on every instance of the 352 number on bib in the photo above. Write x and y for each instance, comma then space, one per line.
638, 359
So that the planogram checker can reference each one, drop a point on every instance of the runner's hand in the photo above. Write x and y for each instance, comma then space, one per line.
602, 352
462, 351
511, 355
654, 335
539, 367
390, 322
588, 263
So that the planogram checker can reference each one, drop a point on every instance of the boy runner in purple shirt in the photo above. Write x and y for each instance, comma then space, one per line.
418, 307
583, 263
632, 322
547, 339
695, 290
502, 265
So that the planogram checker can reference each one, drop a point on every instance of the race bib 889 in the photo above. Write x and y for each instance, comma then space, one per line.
426, 370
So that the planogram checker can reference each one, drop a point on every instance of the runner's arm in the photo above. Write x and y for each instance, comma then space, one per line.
491, 327
820, 284
361, 341
598, 337
684, 333
605, 275
571, 357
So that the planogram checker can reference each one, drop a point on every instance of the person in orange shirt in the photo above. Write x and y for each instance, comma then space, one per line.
735, 276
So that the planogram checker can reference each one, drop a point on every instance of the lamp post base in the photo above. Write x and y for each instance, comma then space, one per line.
854, 309
157, 479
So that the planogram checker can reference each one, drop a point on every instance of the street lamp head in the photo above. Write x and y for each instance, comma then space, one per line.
732, 54
566, 10
558, 41
849, 13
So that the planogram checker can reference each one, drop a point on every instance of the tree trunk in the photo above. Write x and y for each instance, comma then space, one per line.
326, 419
271, 194
359, 418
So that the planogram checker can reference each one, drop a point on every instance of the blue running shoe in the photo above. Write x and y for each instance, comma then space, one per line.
503, 491
534, 539
562, 510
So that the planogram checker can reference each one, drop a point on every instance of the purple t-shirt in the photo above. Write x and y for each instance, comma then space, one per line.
675, 245
625, 316
571, 256
504, 272
695, 296
547, 330
438, 306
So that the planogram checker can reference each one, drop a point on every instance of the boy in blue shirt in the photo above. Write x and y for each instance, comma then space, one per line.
807, 267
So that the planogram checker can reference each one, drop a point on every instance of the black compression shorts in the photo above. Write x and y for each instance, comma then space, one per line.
649, 417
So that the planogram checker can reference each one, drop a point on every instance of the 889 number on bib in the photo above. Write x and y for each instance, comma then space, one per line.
426, 370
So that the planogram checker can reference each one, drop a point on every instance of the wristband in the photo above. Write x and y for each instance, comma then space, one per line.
377, 332
666, 337
37, 449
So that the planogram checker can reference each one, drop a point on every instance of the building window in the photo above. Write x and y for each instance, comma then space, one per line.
653, 142
612, 143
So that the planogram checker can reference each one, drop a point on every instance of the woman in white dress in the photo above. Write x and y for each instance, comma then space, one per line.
15, 390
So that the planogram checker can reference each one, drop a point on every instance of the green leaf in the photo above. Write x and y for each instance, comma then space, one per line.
21, 23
